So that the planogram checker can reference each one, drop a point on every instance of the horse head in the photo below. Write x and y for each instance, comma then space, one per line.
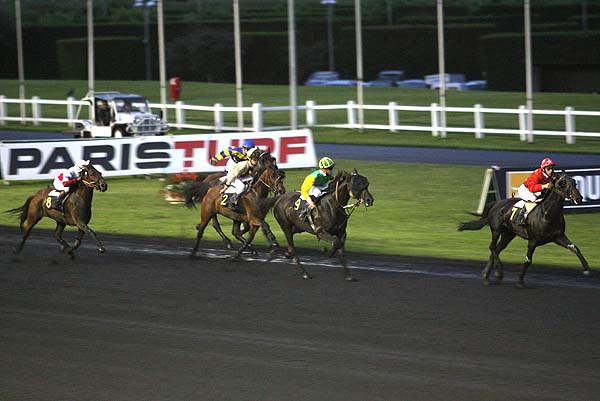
273, 178
359, 188
566, 187
92, 178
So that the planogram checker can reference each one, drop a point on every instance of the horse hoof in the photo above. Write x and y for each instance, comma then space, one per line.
587, 272
305, 276
520, 285
486, 281
101, 249
229, 246
254, 253
499, 276
350, 279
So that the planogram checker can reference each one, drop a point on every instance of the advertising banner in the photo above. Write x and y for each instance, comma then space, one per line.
502, 183
149, 154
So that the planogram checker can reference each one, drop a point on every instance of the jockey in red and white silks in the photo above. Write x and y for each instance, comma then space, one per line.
67, 178
540, 179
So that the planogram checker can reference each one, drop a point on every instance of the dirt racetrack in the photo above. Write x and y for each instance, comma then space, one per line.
142, 321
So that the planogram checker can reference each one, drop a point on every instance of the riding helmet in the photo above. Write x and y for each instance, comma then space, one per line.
254, 153
547, 162
248, 143
80, 165
326, 163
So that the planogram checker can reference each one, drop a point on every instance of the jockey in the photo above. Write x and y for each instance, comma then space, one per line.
314, 184
240, 174
234, 153
68, 178
531, 189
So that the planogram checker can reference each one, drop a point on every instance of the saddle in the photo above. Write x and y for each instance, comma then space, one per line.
53, 200
521, 210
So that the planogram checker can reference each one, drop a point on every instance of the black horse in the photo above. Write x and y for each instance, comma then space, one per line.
77, 210
545, 223
330, 219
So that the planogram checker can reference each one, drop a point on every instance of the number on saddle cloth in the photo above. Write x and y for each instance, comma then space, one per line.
53, 200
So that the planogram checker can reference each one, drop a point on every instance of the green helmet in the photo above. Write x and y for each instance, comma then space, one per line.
326, 163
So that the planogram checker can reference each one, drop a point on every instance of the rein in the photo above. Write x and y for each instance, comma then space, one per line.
348, 209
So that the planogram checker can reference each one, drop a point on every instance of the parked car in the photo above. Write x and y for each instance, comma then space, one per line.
412, 83
341, 82
434, 79
127, 114
320, 78
386, 78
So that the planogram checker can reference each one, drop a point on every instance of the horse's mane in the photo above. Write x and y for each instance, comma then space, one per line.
337, 179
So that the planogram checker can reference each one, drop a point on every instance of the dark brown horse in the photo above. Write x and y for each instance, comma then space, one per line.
253, 206
545, 223
77, 211
266, 160
331, 217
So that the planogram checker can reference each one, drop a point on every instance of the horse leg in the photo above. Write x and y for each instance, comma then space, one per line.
504, 241
64, 247
273, 244
492, 259
528, 259
219, 231
341, 249
291, 250
252, 233
80, 234
238, 233
31, 222
87, 229
200, 227
566, 243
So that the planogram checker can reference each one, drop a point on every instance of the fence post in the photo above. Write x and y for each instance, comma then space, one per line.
479, 123
179, 114
71, 111
393, 116
36, 110
522, 123
352, 120
2, 110
570, 125
218, 117
311, 113
435, 119
257, 117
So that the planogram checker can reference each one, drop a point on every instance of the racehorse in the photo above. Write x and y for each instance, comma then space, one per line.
252, 206
265, 160
545, 223
331, 217
77, 211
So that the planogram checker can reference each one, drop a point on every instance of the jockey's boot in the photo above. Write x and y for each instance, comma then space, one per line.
233, 201
60, 203
304, 211
521, 218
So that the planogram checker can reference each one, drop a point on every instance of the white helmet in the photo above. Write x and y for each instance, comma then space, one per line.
80, 165
254, 153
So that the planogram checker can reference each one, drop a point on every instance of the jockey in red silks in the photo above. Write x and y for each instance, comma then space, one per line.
537, 181
68, 178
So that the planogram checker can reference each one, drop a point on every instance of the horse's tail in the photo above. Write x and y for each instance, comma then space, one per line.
21, 211
480, 223
195, 192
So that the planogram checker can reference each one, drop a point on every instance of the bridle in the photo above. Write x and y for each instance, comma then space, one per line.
348, 209
88, 183
562, 194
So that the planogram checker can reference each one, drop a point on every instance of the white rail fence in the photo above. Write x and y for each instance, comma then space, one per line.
189, 116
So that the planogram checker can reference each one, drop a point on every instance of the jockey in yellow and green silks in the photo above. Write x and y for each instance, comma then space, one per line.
314, 184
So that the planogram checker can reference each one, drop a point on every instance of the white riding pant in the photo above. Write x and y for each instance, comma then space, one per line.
59, 186
238, 185
316, 191
525, 194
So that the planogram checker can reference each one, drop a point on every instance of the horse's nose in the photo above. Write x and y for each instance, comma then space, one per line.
368, 199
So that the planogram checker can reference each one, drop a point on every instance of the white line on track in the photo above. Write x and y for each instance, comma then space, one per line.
318, 262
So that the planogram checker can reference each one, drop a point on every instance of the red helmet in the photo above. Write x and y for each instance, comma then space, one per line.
547, 162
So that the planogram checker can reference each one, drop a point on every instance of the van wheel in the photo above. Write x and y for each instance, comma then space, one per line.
118, 133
